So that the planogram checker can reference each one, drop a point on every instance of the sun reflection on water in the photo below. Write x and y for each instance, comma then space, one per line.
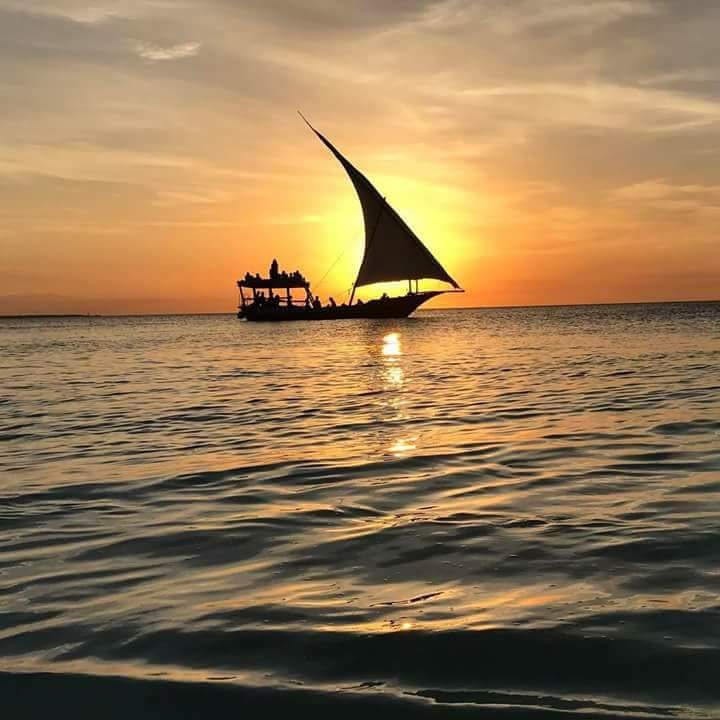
394, 383
394, 376
391, 345
402, 446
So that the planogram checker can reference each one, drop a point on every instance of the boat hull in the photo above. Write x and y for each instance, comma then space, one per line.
394, 307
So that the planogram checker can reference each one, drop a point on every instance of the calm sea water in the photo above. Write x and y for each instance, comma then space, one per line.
478, 513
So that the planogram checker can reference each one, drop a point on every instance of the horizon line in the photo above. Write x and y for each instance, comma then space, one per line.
38, 316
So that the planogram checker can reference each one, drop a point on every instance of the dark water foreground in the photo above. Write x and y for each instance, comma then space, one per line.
495, 514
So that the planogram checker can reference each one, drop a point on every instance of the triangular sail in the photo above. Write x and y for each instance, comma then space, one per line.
392, 250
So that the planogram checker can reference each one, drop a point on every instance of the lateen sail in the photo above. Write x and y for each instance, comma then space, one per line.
392, 250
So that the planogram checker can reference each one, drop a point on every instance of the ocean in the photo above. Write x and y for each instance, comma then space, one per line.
492, 513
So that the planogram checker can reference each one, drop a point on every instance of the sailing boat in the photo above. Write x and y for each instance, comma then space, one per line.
392, 252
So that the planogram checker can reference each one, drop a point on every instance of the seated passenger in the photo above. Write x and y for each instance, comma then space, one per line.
317, 305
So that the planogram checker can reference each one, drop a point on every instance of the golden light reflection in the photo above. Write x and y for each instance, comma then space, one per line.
391, 345
402, 446
394, 379
464, 607
394, 376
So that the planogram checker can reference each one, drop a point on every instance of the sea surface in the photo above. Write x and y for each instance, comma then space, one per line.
494, 513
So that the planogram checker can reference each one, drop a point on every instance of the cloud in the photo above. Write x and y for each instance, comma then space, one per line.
79, 11
329, 16
92, 15
660, 194
588, 16
682, 77
298, 220
152, 52
599, 105
192, 196
660, 188
523, 16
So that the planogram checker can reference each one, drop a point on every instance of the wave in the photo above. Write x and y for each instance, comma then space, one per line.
41, 695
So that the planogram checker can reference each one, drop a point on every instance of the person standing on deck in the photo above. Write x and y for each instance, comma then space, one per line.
273, 269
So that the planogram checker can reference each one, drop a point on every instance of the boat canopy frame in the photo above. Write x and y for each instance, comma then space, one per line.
270, 284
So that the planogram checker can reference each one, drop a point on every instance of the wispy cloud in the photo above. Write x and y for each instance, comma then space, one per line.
690, 75
92, 15
598, 104
661, 188
192, 196
299, 220
659, 194
538, 13
520, 16
148, 51
76, 10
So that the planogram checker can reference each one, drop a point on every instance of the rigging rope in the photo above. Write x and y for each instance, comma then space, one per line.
332, 267
337, 260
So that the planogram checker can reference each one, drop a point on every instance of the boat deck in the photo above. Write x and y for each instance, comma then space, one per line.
392, 307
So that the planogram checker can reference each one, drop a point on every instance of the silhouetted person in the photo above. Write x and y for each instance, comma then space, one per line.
273, 269
384, 296
316, 303
332, 302
359, 302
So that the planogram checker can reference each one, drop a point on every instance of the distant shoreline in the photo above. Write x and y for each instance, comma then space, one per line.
72, 316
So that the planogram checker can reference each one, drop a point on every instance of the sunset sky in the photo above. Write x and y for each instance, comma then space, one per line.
547, 151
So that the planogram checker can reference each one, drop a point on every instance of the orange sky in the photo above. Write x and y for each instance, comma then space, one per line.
547, 151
